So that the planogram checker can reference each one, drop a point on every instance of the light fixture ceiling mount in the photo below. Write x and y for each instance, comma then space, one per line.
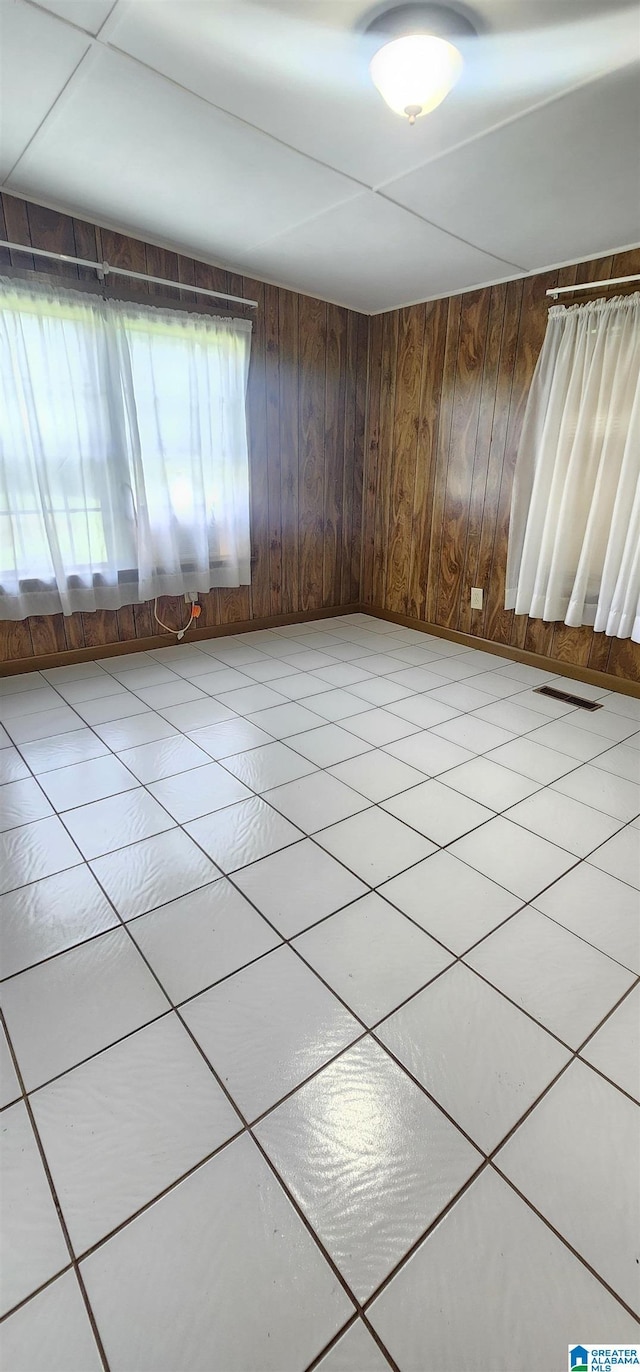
417, 60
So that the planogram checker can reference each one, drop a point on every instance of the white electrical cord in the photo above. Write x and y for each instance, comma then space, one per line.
179, 633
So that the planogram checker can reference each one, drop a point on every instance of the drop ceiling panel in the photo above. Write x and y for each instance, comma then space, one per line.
301, 72
37, 57
128, 146
371, 255
559, 184
87, 14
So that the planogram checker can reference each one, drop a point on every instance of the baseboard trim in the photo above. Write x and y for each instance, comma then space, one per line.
46, 661
66, 659
548, 664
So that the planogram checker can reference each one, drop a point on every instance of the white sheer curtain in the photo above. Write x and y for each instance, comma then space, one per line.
574, 537
123, 452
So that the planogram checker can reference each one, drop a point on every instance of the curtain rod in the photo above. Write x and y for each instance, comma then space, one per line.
591, 285
104, 268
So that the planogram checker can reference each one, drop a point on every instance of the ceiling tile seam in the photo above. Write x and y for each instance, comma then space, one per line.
107, 18
521, 274
237, 118
181, 250
448, 234
187, 251
302, 223
68, 23
46, 116
311, 219
97, 42
110, 45
509, 119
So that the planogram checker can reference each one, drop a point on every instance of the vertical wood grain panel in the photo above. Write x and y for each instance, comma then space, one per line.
58, 232
312, 326
334, 418
443, 449
348, 459
288, 404
5, 257
478, 484
435, 334
354, 442
257, 412
274, 503
479, 355
504, 386
474, 316
17, 231
533, 323
47, 634
306, 420
405, 447
372, 454
232, 604
381, 451
624, 657
88, 244
390, 329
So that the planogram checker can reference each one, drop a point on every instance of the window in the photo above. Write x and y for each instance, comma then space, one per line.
123, 452
574, 537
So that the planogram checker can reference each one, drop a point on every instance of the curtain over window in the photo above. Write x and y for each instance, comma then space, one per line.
123, 452
574, 538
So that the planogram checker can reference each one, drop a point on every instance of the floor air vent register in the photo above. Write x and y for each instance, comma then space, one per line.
581, 703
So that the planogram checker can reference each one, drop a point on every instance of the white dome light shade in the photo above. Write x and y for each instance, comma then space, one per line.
415, 73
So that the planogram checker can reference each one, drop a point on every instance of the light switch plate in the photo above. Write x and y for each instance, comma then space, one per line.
476, 597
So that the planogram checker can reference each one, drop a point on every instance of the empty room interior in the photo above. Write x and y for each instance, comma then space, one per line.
319, 686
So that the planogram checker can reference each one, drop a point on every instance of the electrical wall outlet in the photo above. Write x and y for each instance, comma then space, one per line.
190, 599
476, 597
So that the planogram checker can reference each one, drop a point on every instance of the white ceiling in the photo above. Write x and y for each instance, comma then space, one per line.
247, 133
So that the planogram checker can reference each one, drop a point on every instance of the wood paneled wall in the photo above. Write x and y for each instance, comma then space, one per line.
447, 390
306, 406
382, 452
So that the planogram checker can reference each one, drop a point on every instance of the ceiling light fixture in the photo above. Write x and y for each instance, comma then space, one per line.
417, 61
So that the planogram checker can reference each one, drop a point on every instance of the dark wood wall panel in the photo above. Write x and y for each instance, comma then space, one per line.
381, 451
306, 415
448, 385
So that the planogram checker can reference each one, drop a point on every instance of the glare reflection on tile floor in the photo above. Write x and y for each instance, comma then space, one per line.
321, 988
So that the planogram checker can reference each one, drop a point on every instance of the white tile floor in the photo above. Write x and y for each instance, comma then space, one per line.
321, 985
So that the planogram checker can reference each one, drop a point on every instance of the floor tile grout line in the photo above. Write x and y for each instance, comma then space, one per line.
554, 920
441, 1217
373, 749
246, 1128
354, 1320
541, 1216
423, 1238
375, 890
229, 877
367, 1029
427, 776
573, 1052
574, 1057
26, 1300
58, 1076
635, 1100
119, 917
55, 1199
360, 1317
492, 700
249, 1127
288, 942
382, 884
